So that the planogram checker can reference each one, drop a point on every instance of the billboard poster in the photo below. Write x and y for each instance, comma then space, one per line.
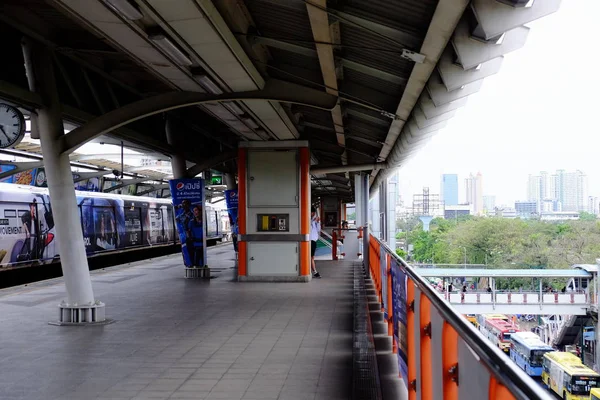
188, 202
399, 317
384, 288
6, 168
231, 201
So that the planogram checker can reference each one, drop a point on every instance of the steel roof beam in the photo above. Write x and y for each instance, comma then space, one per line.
445, 19
367, 117
274, 90
308, 52
127, 183
384, 31
319, 23
153, 188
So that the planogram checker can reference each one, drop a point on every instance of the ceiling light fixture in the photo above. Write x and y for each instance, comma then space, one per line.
234, 108
251, 123
163, 42
208, 84
126, 8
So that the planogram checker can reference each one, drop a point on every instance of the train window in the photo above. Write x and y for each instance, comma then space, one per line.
21, 212
10, 213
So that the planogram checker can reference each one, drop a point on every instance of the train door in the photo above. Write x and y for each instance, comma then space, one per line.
133, 225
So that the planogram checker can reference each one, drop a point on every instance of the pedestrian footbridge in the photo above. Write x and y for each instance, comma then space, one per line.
575, 300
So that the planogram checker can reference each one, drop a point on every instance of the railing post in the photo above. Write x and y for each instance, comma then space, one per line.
390, 307
411, 340
334, 245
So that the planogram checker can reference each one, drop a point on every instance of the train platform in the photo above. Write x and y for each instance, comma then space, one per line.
173, 338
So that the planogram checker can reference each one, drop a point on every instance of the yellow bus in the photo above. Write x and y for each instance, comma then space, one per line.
565, 374
595, 394
472, 318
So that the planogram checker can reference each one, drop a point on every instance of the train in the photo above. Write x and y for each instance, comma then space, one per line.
109, 222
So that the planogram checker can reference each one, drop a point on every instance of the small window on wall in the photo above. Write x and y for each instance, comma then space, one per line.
10, 213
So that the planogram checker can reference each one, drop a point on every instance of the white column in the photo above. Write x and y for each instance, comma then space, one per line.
69, 234
178, 163
392, 197
358, 199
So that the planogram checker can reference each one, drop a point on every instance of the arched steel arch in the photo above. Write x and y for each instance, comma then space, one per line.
274, 90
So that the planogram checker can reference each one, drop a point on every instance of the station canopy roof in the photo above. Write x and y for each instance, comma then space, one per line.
377, 59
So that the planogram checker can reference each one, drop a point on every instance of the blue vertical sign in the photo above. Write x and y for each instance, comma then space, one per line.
231, 201
188, 202
400, 321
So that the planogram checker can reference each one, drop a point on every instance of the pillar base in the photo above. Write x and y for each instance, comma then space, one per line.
81, 315
275, 278
197, 273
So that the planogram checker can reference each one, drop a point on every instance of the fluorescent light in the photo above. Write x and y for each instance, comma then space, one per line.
125, 8
208, 84
168, 47
234, 108
251, 123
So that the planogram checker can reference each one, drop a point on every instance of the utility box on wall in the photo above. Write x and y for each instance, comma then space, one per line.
276, 197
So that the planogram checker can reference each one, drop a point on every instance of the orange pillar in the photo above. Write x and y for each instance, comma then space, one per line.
242, 245
411, 340
305, 210
390, 299
426, 383
450, 361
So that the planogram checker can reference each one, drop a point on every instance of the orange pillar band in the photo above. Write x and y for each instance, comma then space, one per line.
411, 340
242, 255
304, 210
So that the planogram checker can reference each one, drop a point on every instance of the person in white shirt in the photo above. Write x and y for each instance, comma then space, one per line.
315, 229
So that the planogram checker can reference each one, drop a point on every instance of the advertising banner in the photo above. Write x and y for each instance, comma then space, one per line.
188, 202
231, 201
384, 288
399, 317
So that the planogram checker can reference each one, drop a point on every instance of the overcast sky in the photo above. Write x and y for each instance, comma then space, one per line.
540, 112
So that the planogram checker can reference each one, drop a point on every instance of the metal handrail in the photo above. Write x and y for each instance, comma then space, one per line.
506, 372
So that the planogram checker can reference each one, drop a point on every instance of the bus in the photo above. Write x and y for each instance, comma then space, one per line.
481, 318
527, 351
472, 318
595, 394
498, 331
565, 375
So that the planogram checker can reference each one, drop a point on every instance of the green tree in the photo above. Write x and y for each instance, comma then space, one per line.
586, 216
401, 253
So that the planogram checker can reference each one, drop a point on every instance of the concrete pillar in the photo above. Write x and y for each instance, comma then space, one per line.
69, 234
178, 162
373, 216
392, 197
358, 200
365, 208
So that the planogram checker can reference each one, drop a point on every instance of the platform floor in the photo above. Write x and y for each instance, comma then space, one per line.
182, 339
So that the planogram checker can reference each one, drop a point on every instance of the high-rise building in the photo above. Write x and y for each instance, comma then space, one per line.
566, 191
489, 204
593, 205
526, 209
474, 192
449, 189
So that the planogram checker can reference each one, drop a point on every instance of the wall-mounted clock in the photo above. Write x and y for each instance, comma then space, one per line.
12, 126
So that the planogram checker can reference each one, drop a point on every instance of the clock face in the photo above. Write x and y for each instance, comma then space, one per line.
12, 126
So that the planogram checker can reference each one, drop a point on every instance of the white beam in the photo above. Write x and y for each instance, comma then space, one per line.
319, 22
446, 17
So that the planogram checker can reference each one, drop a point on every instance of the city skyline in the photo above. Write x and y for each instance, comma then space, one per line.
518, 123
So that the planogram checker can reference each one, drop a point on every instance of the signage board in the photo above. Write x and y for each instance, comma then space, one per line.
188, 202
